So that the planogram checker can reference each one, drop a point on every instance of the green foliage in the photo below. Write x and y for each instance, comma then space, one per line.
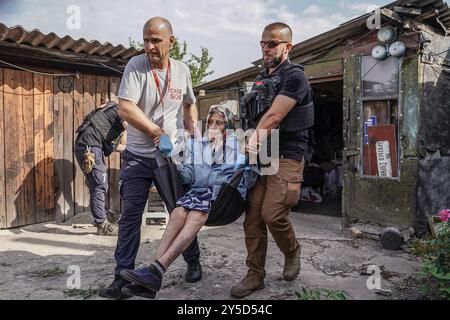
57, 271
321, 294
178, 52
198, 65
82, 293
436, 262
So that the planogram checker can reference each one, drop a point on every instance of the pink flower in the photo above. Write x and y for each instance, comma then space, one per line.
444, 215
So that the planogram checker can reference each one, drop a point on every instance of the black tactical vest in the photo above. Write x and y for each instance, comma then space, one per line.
265, 89
107, 129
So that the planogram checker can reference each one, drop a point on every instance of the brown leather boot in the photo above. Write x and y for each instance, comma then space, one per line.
292, 266
250, 283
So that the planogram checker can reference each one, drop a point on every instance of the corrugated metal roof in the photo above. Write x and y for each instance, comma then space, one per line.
36, 38
433, 13
427, 16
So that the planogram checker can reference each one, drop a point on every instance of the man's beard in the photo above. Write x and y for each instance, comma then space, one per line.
156, 58
275, 62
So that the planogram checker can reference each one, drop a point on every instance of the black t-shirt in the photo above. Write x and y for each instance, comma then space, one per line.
91, 137
294, 85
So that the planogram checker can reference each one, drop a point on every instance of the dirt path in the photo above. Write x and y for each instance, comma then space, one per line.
34, 261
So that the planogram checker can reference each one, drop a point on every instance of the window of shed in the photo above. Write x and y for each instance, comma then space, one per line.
380, 93
380, 79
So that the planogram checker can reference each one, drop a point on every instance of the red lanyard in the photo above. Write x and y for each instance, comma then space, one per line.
158, 86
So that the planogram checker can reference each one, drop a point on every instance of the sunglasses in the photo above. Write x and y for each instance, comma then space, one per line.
272, 43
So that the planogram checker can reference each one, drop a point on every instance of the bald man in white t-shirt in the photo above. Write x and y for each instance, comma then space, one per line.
155, 98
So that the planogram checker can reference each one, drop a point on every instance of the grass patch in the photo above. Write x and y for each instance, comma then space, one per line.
82, 293
57, 271
321, 294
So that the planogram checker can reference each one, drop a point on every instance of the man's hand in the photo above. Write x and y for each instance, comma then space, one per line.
131, 113
252, 148
157, 139
121, 142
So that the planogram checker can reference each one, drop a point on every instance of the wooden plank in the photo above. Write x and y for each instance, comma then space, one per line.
2, 157
351, 107
39, 147
68, 188
13, 166
102, 92
27, 150
89, 88
101, 97
114, 159
365, 46
114, 84
58, 147
78, 115
407, 11
392, 16
49, 180
324, 69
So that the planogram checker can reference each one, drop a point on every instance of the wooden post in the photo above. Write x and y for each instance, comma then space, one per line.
58, 146
27, 149
2, 156
39, 147
49, 180
68, 155
78, 116
89, 89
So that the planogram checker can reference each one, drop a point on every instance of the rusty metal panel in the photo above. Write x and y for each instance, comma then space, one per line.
433, 187
435, 108
434, 133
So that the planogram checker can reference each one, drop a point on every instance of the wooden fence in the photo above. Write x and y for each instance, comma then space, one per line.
39, 179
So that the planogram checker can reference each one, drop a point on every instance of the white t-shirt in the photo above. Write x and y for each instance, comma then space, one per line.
138, 86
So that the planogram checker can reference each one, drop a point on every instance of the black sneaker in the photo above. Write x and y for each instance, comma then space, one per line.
114, 291
137, 290
194, 271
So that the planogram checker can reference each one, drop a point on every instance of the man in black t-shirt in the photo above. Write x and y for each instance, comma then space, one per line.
281, 98
101, 133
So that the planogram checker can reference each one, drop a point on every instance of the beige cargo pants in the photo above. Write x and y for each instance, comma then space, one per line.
269, 204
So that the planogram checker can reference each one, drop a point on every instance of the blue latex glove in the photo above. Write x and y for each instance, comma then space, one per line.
165, 145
